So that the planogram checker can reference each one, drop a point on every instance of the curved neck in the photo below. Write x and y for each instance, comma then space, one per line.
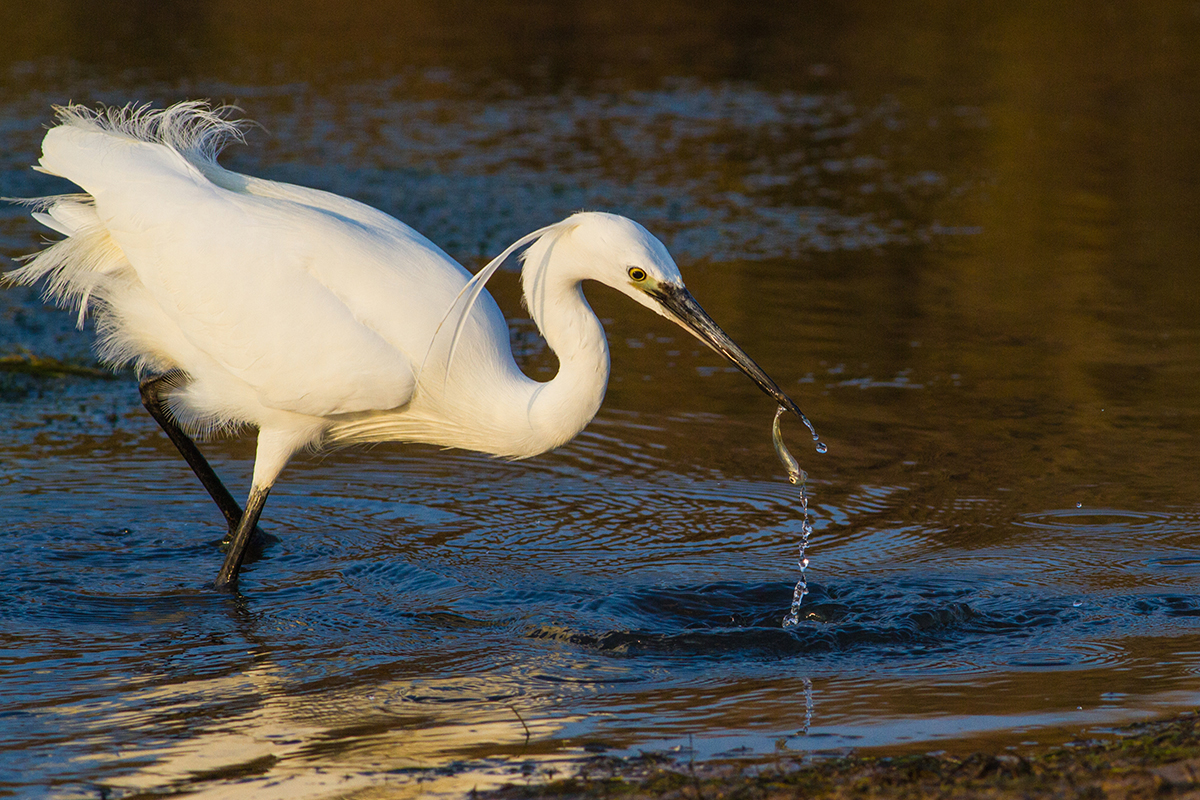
553, 293
486, 403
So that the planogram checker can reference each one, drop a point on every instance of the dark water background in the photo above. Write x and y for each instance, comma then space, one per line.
966, 240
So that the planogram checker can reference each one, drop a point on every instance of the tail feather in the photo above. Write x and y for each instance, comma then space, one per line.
76, 269
49, 221
68, 214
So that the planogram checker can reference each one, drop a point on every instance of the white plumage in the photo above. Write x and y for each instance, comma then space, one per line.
317, 319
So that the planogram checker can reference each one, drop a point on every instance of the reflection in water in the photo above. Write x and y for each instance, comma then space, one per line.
980, 280
437, 630
276, 743
423, 608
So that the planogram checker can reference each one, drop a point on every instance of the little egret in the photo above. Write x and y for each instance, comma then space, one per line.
316, 319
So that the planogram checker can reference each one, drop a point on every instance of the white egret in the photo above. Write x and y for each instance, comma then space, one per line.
314, 318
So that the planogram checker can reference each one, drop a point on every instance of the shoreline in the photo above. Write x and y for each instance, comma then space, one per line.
1160, 758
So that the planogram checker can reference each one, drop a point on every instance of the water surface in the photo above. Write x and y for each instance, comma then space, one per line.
965, 243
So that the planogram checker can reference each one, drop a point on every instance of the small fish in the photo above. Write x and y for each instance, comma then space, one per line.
795, 474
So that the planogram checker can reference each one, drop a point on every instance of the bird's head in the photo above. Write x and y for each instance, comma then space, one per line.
620, 253
617, 252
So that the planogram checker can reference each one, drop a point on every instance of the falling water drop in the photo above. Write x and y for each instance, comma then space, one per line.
793, 616
821, 446
800, 477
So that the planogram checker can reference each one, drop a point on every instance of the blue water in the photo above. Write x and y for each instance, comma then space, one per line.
980, 292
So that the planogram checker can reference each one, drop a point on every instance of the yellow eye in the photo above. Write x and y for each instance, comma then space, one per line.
637, 274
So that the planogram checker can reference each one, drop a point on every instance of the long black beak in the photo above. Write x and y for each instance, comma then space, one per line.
688, 313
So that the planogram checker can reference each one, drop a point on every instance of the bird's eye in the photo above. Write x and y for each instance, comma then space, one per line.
637, 274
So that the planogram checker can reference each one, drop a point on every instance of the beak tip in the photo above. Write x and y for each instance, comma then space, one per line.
681, 306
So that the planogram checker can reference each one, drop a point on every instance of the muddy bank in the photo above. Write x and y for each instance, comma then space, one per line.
1156, 759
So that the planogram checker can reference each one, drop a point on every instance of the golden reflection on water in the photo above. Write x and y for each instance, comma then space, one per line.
285, 745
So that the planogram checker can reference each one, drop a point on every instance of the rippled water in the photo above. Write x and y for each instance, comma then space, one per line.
968, 251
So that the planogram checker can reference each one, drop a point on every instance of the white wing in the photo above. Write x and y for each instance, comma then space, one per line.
320, 304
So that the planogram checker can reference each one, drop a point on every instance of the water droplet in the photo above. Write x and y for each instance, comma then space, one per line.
793, 616
797, 477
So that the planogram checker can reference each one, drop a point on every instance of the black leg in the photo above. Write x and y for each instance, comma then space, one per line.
152, 398
241, 537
